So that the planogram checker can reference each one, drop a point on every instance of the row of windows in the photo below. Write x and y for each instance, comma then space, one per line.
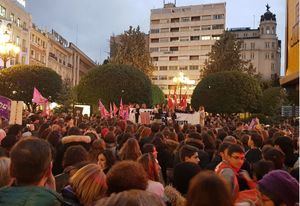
187, 28
37, 56
185, 38
38, 40
252, 45
12, 17
252, 55
165, 77
175, 58
175, 68
246, 34
188, 19
180, 48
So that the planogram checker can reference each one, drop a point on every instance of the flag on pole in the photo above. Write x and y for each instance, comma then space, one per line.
38, 98
102, 109
121, 112
183, 103
170, 102
115, 109
110, 110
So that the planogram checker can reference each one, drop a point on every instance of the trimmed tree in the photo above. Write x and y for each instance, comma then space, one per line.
227, 92
111, 82
158, 96
272, 100
18, 82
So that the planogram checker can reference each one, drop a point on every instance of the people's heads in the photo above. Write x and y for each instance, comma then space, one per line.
223, 150
285, 144
279, 187
146, 132
89, 184
230, 139
149, 148
74, 154
126, 175
236, 156
31, 161
255, 140
74, 131
276, 156
155, 127
97, 146
150, 165
106, 159
132, 198
5, 178
261, 168
189, 153
207, 188
130, 150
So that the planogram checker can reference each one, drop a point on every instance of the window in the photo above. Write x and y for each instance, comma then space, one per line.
267, 44
185, 19
24, 25
184, 29
205, 37
245, 34
153, 31
206, 17
32, 52
2, 11
243, 56
163, 77
174, 48
154, 77
156, 40
170, 77
18, 22
164, 30
174, 20
267, 56
218, 26
194, 67
252, 45
195, 18
244, 46
272, 55
172, 39
173, 68
173, 58
154, 59
273, 45
268, 30
218, 16
252, 55
154, 49
175, 29
12, 17
163, 68
18, 41
216, 37
194, 57
184, 38
272, 67
195, 38
155, 21
195, 28
183, 68
205, 27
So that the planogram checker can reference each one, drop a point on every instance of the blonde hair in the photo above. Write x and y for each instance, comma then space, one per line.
4, 171
89, 184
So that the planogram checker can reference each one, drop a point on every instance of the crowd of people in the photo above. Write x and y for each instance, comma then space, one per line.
222, 161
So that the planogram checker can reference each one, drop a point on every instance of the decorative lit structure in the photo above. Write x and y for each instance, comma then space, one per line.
182, 80
8, 49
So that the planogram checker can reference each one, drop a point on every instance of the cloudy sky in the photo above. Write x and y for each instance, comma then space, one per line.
90, 23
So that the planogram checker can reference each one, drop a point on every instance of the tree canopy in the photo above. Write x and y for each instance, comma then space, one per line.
158, 96
227, 92
18, 82
111, 82
226, 56
131, 48
272, 100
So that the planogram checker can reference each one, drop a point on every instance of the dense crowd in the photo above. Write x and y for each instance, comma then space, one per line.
79, 160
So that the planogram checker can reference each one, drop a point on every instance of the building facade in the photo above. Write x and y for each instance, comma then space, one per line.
15, 21
39, 50
261, 46
180, 39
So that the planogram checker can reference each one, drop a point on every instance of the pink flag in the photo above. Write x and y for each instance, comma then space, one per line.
110, 110
102, 109
38, 98
121, 110
115, 109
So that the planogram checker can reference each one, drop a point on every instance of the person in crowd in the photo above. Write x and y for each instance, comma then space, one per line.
130, 150
276, 156
132, 198
98, 146
151, 167
106, 160
31, 168
5, 178
208, 189
285, 144
202, 116
229, 168
187, 169
126, 175
87, 186
254, 154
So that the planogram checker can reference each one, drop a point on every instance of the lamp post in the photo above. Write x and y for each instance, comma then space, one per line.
8, 49
182, 80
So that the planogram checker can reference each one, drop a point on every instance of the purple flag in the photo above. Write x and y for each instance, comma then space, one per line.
5, 105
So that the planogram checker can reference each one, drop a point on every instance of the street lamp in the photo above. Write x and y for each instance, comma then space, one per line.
182, 80
8, 49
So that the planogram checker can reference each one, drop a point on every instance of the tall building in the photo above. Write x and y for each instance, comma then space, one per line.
180, 39
261, 46
39, 49
291, 78
15, 22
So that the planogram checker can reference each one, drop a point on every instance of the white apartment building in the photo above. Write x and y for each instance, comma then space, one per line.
180, 39
15, 21
261, 46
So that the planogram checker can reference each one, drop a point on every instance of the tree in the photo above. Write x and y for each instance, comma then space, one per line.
18, 82
131, 49
272, 100
225, 56
227, 92
66, 96
111, 82
158, 96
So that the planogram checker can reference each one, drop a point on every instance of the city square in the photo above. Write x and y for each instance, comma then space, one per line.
181, 103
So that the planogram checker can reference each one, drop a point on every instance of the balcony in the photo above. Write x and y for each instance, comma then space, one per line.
52, 55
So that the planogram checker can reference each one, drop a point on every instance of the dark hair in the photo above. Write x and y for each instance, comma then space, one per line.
154, 127
235, 148
148, 148
74, 131
187, 151
276, 156
257, 140
195, 135
53, 138
261, 168
74, 154
224, 146
14, 129
109, 156
207, 188
126, 175
30, 159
